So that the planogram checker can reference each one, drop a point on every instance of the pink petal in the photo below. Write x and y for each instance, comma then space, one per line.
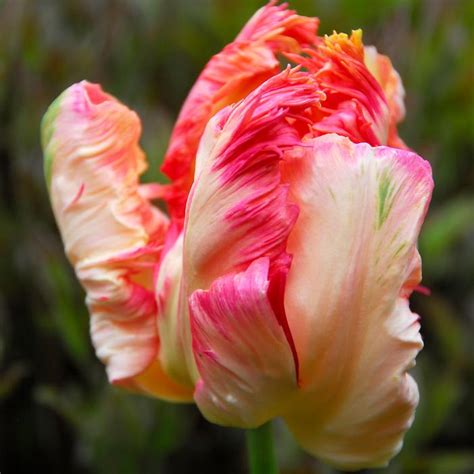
354, 265
238, 211
246, 365
112, 235
228, 77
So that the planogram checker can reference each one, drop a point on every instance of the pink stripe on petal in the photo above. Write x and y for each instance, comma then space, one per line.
276, 293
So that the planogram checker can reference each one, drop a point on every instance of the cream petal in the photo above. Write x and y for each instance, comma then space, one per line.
168, 289
354, 265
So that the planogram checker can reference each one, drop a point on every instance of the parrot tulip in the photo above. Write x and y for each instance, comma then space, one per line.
279, 285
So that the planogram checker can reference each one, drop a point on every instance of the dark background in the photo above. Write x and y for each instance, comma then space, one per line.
57, 412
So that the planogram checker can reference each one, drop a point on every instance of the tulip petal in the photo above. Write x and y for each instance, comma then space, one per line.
228, 77
389, 79
156, 382
238, 211
112, 235
355, 105
354, 265
172, 353
245, 362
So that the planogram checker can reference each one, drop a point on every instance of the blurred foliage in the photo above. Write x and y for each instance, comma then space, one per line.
57, 412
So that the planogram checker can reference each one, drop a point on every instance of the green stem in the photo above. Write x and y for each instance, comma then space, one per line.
261, 453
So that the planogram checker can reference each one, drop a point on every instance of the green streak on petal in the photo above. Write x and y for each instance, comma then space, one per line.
399, 249
331, 192
47, 131
384, 199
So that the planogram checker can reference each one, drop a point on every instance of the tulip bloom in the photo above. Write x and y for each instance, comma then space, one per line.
279, 285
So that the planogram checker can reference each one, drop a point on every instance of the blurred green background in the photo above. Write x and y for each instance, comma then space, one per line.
57, 412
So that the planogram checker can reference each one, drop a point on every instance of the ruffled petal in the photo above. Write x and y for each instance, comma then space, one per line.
246, 366
354, 265
382, 69
355, 105
228, 77
112, 235
238, 209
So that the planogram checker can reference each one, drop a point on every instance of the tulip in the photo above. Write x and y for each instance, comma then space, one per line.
279, 285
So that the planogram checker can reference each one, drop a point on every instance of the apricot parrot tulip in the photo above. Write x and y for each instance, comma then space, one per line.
279, 285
